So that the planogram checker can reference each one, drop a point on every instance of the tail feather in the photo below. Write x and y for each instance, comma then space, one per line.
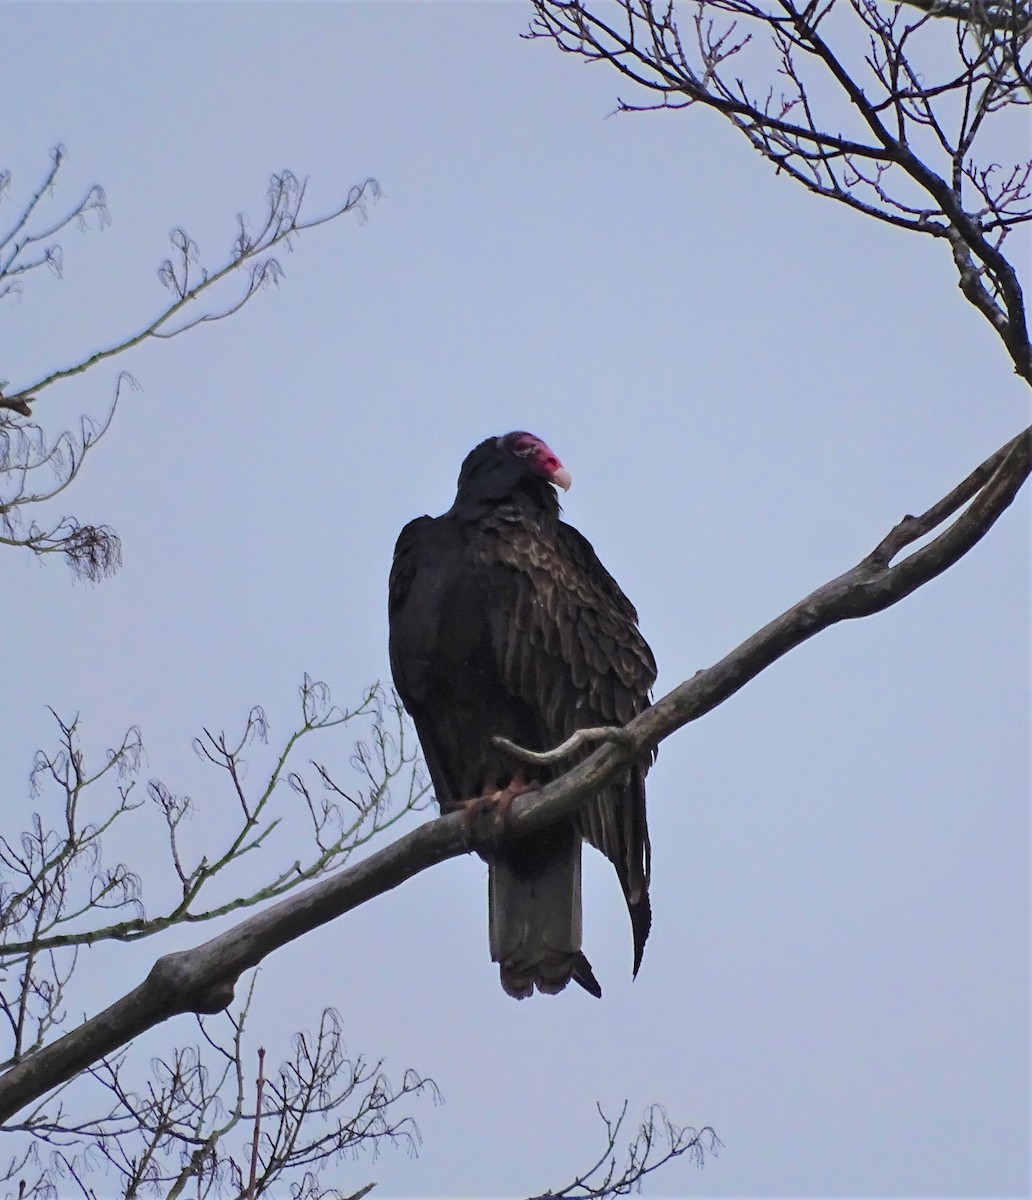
534, 890
641, 922
614, 822
585, 976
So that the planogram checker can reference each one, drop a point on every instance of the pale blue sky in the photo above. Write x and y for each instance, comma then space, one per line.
750, 388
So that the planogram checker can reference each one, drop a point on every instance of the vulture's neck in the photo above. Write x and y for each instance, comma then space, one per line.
529, 495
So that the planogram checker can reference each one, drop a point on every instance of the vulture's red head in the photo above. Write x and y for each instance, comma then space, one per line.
537, 457
501, 467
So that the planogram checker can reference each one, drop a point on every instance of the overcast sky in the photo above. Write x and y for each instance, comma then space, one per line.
750, 387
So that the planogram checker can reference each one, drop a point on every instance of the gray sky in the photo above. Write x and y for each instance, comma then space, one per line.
750, 388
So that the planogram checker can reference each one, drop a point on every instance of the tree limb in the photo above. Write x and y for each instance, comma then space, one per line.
202, 980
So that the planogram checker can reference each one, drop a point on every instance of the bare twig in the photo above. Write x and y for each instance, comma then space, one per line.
28, 452
1001, 15
282, 221
55, 857
657, 1142
15, 264
602, 735
259, 1088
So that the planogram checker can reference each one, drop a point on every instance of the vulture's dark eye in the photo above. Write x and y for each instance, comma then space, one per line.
524, 451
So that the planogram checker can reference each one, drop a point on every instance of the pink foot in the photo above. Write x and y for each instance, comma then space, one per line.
495, 805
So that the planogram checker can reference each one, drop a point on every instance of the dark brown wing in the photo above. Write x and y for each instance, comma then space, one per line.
408, 635
567, 642
427, 559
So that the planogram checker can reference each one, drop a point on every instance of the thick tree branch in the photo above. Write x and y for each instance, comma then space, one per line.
202, 980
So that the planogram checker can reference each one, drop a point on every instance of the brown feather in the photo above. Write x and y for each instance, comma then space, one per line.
561, 598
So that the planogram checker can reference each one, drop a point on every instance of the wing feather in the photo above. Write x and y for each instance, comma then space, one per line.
405, 663
567, 643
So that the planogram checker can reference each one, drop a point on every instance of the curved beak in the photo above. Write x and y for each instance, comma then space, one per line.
562, 478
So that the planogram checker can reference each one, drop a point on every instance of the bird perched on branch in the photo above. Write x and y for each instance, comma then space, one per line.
503, 622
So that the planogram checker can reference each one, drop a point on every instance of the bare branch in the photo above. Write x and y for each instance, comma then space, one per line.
259, 1088
388, 759
29, 453
182, 1128
606, 734
26, 455
1003, 15
657, 1142
21, 238
202, 980
283, 220
865, 110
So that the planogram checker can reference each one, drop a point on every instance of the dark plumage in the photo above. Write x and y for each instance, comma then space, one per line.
503, 621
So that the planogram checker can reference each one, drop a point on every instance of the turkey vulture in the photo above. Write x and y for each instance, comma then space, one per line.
503, 621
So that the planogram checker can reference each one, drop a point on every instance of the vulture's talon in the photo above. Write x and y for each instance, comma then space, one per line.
485, 819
